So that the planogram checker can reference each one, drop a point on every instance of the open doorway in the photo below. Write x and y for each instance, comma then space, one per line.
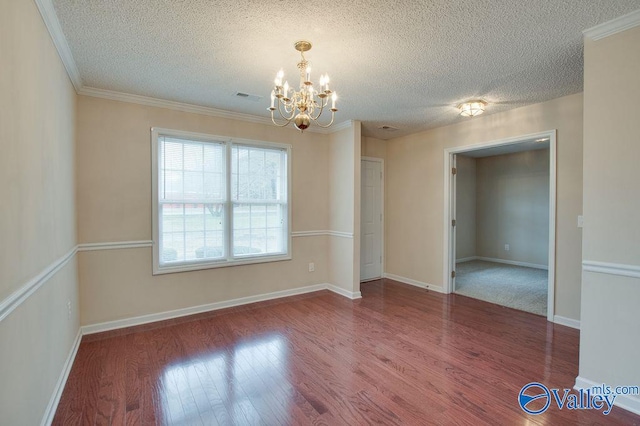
500, 210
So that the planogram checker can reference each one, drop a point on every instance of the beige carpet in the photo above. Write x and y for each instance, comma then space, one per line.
512, 286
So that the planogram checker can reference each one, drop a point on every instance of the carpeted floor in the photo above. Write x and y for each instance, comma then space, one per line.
512, 286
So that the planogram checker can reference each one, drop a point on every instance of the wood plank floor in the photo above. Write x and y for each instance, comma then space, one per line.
400, 355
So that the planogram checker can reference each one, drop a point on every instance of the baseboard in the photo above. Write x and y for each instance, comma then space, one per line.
626, 402
414, 283
346, 293
466, 259
161, 316
512, 262
569, 322
50, 412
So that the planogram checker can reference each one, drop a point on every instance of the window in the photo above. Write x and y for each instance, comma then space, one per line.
218, 202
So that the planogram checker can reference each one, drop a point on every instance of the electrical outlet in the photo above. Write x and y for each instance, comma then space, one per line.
506, 247
68, 308
312, 267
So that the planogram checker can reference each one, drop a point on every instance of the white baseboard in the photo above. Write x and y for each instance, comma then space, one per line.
50, 412
161, 316
466, 259
626, 402
346, 293
512, 262
414, 282
569, 322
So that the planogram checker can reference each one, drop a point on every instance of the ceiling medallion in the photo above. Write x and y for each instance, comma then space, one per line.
306, 105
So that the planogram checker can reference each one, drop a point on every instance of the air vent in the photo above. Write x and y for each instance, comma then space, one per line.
248, 96
388, 128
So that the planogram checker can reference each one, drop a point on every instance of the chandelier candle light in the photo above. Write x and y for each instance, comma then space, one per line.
306, 105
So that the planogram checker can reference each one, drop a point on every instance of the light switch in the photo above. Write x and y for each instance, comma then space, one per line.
580, 221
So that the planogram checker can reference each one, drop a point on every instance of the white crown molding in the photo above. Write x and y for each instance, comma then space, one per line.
626, 402
618, 269
194, 109
14, 300
614, 26
50, 412
50, 18
414, 283
114, 245
342, 126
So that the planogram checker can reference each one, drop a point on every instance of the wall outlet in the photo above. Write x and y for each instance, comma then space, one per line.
69, 309
312, 267
506, 247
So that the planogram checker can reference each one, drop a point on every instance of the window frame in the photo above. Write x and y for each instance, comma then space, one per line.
229, 260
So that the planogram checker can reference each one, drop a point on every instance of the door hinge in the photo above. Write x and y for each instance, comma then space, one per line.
380, 175
453, 274
453, 222
454, 171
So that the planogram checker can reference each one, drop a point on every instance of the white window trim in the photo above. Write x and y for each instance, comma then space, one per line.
196, 266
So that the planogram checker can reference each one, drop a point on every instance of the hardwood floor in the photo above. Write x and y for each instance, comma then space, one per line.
400, 355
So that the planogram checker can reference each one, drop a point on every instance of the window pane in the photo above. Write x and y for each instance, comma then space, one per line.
193, 191
191, 232
258, 174
191, 170
254, 232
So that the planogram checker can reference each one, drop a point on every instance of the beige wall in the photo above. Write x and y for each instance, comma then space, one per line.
609, 343
114, 204
465, 207
372, 147
415, 192
344, 207
37, 218
513, 207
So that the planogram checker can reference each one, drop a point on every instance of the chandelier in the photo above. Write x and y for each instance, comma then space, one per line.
305, 105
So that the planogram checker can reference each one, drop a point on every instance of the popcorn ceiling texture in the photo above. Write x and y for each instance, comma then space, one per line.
402, 63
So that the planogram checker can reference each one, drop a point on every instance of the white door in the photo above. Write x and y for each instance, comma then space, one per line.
371, 221
454, 194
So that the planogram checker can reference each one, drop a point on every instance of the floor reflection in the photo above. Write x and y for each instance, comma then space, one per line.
243, 384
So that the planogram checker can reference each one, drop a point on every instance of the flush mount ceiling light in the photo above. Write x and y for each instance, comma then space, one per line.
306, 105
472, 108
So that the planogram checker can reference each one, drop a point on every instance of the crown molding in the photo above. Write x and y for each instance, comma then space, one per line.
614, 26
50, 19
195, 109
342, 126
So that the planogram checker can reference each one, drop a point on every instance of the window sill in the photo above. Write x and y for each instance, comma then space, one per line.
198, 266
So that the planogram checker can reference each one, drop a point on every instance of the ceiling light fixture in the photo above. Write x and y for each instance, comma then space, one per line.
306, 105
472, 108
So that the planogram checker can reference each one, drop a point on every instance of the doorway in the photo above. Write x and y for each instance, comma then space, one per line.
371, 222
509, 267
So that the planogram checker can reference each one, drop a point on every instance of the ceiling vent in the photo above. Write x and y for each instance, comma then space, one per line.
248, 96
388, 128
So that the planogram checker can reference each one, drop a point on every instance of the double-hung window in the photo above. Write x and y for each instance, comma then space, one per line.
218, 202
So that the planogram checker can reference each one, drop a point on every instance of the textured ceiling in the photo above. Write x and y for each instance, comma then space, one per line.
400, 63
